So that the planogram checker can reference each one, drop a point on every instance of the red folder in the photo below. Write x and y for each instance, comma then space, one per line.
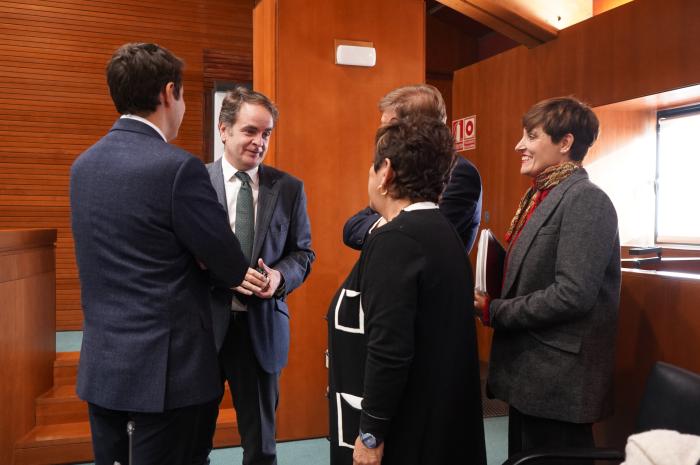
490, 257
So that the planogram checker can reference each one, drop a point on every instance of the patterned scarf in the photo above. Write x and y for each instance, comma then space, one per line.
544, 181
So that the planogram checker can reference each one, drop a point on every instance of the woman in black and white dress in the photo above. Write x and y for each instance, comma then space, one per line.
404, 372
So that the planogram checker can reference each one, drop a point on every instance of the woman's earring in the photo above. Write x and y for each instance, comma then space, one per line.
379, 189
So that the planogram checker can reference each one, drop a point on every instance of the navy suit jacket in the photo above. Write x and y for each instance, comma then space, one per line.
283, 241
460, 203
143, 214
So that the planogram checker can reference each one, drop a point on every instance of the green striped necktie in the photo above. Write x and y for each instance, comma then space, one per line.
245, 215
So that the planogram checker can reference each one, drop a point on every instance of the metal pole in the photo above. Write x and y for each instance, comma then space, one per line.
130, 426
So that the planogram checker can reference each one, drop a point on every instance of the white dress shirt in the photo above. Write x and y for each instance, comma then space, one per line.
232, 185
420, 206
145, 121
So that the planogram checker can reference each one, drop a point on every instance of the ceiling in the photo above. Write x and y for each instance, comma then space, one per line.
498, 25
528, 22
456, 19
557, 13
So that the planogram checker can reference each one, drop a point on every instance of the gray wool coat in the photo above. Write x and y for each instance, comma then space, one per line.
555, 326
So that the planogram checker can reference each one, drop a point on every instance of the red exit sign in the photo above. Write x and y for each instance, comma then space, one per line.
464, 132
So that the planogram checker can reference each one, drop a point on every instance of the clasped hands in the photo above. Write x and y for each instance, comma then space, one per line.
263, 285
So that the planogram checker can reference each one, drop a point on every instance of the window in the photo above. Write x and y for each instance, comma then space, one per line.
678, 176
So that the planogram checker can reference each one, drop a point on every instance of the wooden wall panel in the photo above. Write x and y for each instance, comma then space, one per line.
444, 85
627, 144
328, 117
54, 101
27, 334
494, 43
447, 47
658, 321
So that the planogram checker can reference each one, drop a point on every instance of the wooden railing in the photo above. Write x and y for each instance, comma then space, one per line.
665, 264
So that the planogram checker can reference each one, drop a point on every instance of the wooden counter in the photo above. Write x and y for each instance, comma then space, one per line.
27, 328
659, 320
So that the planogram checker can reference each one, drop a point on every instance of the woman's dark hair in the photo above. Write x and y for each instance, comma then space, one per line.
138, 73
421, 151
560, 116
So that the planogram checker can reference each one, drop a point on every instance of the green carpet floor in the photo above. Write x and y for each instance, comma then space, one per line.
313, 451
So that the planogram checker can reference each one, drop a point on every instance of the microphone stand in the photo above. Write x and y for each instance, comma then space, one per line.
130, 426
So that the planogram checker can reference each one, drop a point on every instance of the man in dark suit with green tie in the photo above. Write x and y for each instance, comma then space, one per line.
267, 211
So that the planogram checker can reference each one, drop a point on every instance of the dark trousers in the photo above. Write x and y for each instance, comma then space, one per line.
526, 432
158, 438
255, 396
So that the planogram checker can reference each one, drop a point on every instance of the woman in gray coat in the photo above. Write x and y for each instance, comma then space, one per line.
555, 324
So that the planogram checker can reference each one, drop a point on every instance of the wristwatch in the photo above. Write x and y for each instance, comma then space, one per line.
369, 440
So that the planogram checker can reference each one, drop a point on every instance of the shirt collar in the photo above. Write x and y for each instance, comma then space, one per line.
229, 171
145, 121
420, 206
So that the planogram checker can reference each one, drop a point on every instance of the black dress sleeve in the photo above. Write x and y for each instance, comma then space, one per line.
390, 279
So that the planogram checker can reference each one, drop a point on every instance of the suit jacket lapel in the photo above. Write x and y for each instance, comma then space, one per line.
267, 198
217, 180
519, 250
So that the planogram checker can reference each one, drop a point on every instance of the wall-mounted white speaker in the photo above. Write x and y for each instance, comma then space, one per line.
355, 55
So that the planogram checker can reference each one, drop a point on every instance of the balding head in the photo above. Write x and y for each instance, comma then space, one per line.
416, 100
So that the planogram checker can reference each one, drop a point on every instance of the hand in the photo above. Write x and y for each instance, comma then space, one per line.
253, 282
481, 303
365, 456
274, 278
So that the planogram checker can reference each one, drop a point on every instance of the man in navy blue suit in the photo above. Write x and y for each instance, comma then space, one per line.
461, 200
267, 211
150, 239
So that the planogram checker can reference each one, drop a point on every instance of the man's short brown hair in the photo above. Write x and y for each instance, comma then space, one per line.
419, 99
235, 98
421, 151
137, 73
560, 116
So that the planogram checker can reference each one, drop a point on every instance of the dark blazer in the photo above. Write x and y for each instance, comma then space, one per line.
460, 203
421, 389
554, 343
283, 241
143, 214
